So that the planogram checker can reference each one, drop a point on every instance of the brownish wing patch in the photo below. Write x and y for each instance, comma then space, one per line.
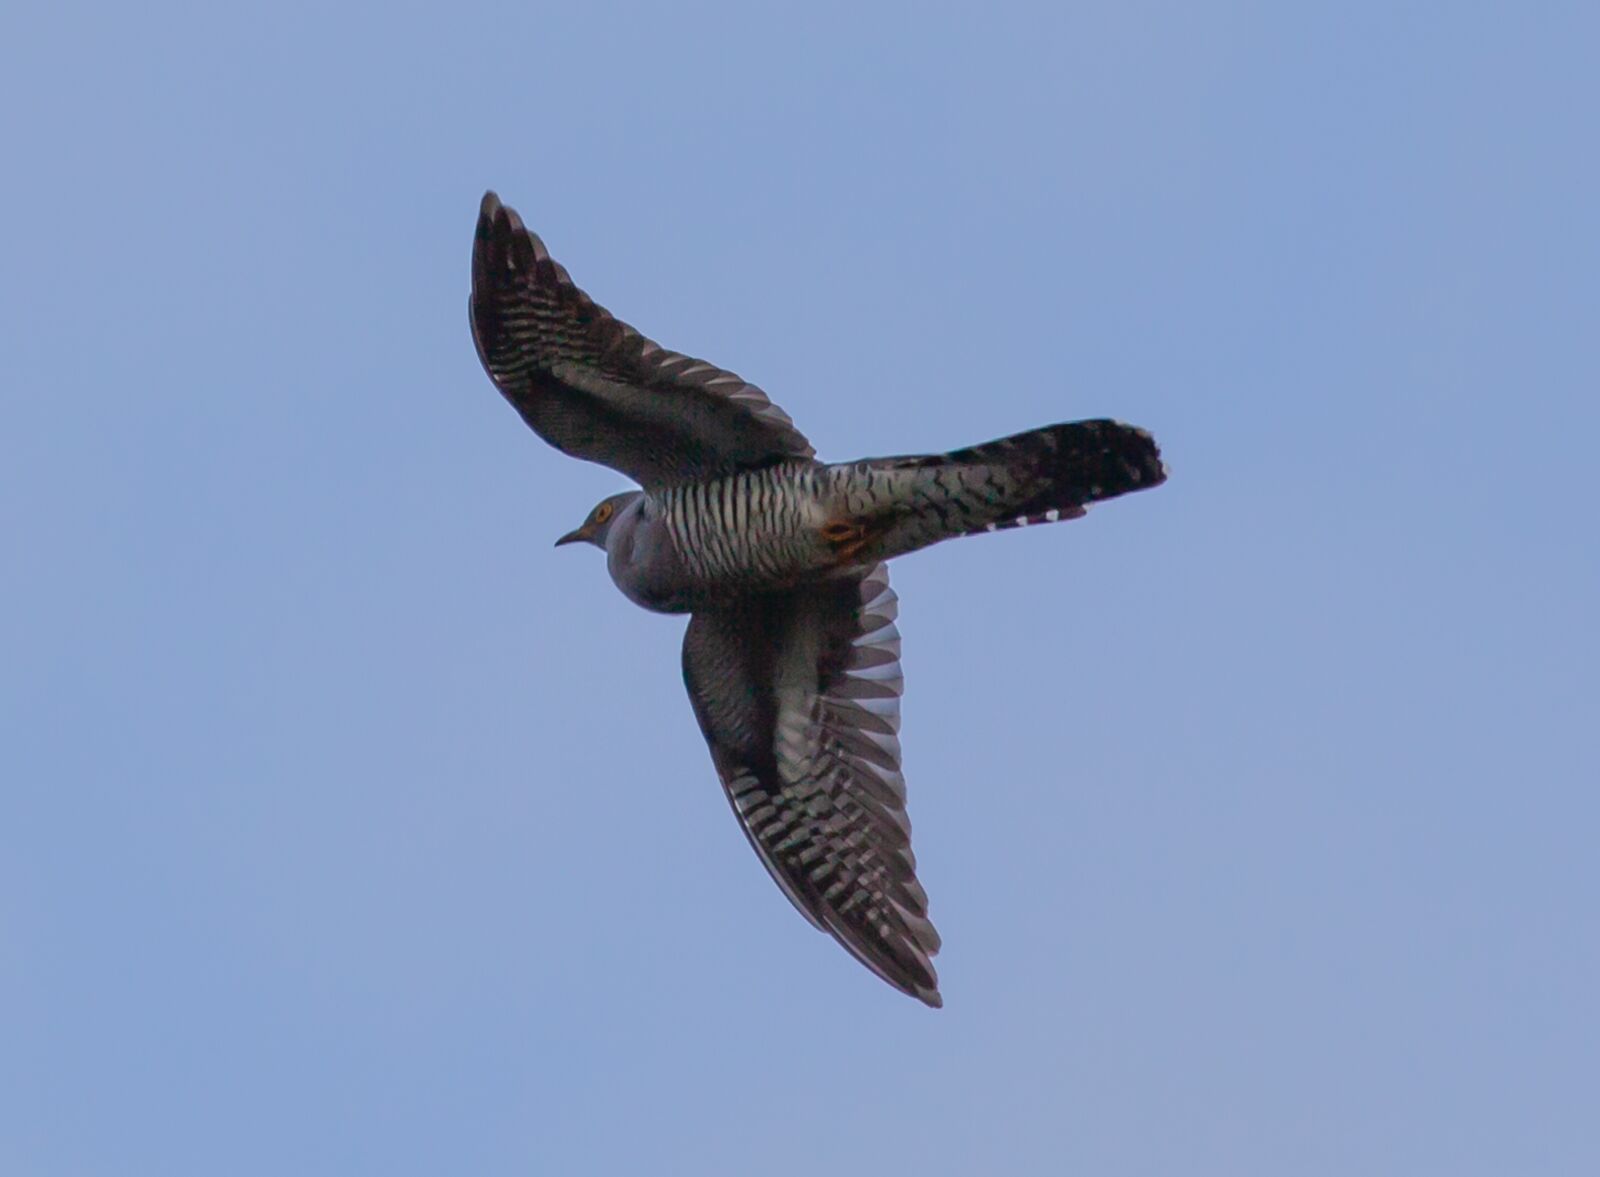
847, 537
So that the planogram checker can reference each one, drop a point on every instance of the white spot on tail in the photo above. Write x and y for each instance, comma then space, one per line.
991, 527
1052, 515
1022, 521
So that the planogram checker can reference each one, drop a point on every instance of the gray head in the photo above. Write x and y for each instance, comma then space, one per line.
598, 525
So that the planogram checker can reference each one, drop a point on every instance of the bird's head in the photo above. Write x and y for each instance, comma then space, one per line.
598, 525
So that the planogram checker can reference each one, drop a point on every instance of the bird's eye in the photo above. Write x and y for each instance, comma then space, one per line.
602, 512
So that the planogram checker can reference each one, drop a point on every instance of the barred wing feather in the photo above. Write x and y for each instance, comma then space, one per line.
798, 695
595, 388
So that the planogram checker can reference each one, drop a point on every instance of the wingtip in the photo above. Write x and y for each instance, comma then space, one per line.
502, 235
489, 237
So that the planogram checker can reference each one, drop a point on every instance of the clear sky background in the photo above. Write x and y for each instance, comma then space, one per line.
348, 828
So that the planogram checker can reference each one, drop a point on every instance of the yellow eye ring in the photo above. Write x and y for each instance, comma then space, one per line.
602, 512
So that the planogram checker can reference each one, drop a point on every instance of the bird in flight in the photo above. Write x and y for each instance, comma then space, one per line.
791, 656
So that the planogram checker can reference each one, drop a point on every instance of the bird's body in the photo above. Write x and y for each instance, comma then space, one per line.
701, 543
752, 531
791, 657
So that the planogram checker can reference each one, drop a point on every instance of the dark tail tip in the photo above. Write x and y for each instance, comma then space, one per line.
1121, 457
1085, 462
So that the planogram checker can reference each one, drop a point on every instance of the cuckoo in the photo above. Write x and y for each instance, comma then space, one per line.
791, 656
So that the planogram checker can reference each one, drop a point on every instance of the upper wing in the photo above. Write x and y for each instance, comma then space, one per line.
594, 387
798, 694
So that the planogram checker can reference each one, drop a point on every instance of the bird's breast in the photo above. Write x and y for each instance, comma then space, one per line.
646, 566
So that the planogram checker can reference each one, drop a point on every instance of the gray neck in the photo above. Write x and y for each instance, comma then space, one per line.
643, 561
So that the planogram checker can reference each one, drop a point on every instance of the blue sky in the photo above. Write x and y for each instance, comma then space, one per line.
346, 827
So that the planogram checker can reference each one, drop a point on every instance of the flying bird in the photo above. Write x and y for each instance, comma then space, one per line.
791, 656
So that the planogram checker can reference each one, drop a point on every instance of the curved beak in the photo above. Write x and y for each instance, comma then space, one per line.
573, 537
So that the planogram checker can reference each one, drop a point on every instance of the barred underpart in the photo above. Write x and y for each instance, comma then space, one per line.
755, 529
793, 521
